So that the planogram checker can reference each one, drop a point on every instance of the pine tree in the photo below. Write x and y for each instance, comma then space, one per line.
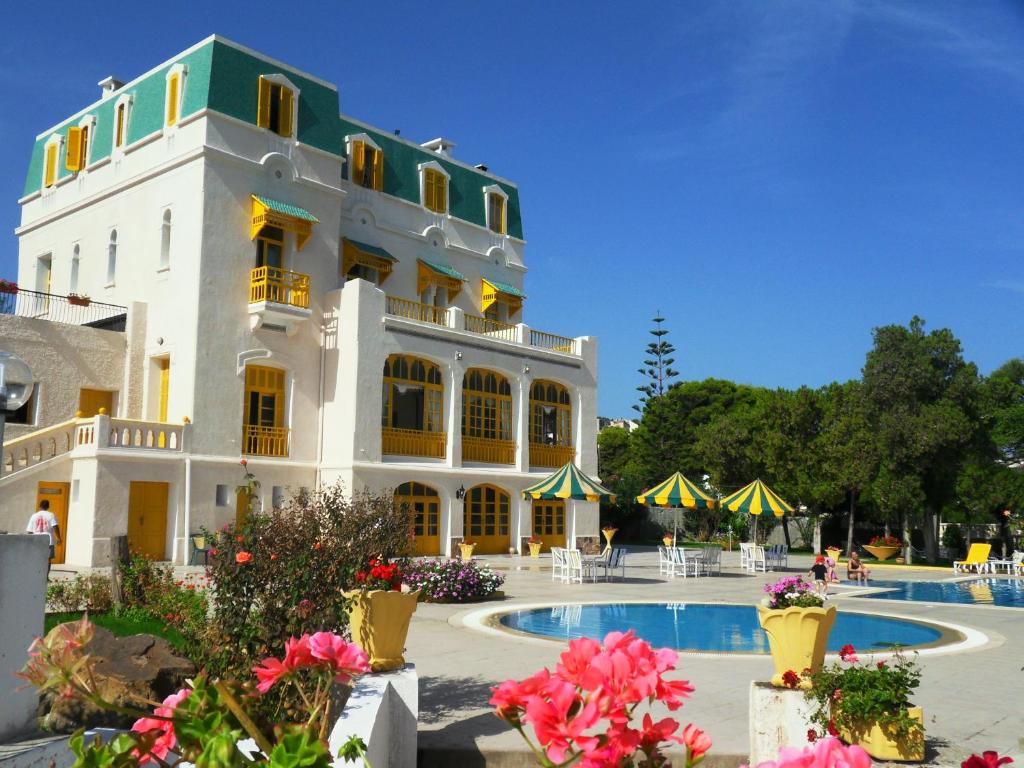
658, 371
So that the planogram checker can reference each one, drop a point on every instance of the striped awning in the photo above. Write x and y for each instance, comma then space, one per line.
433, 273
355, 253
569, 483
755, 499
677, 491
291, 218
492, 291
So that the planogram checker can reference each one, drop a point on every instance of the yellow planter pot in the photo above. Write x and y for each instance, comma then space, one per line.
882, 552
877, 743
535, 548
609, 535
834, 553
466, 550
797, 638
667, 541
379, 621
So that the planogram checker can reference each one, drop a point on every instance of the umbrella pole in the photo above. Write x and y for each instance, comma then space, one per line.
754, 538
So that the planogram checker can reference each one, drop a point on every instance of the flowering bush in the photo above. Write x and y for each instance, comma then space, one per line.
791, 591
849, 696
452, 581
584, 708
885, 541
82, 593
827, 753
8, 286
379, 575
203, 723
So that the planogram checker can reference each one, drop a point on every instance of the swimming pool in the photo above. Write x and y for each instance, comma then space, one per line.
712, 627
1007, 593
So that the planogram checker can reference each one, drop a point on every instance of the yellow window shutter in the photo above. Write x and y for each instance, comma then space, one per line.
172, 100
263, 105
430, 190
73, 161
119, 129
442, 194
50, 169
378, 170
358, 162
287, 101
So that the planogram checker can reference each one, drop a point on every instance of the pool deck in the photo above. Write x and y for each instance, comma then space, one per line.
968, 696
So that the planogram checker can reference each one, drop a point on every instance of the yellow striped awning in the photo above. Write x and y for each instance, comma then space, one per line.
290, 218
569, 483
492, 291
755, 499
677, 491
353, 252
433, 273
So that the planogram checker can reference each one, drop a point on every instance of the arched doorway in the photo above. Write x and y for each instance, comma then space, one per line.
487, 519
487, 418
550, 425
424, 507
549, 522
412, 420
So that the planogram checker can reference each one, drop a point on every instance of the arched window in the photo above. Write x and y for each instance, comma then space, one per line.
411, 408
112, 257
424, 505
75, 263
487, 519
165, 240
487, 417
550, 414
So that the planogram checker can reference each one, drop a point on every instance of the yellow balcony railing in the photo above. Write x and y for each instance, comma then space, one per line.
414, 442
414, 310
493, 328
487, 450
544, 455
264, 441
279, 286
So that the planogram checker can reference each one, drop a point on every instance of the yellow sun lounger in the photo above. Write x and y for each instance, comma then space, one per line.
977, 559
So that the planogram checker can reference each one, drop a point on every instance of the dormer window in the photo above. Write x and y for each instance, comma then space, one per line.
122, 114
496, 204
367, 163
77, 157
276, 107
434, 187
50, 154
175, 91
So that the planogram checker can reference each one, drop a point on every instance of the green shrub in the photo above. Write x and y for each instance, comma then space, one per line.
151, 589
953, 539
82, 593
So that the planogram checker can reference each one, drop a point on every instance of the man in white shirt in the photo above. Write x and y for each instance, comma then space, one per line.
44, 522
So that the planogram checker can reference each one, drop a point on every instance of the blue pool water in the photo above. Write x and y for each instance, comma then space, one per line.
698, 627
1008, 593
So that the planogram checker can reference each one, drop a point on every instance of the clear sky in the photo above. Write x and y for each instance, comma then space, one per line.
777, 178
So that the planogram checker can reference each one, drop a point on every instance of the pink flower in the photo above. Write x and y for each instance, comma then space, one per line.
988, 759
270, 672
848, 654
826, 753
697, 743
346, 659
511, 695
653, 733
575, 662
549, 715
297, 652
166, 740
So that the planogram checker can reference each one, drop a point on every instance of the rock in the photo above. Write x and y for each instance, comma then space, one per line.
127, 668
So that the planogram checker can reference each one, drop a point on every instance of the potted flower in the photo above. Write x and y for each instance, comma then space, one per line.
79, 300
869, 705
884, 547
667, 540
466, 547
797, 623
609, 532
536, 544
379, 614
7, 286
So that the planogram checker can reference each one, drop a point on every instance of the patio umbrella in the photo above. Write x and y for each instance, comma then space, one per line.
755, 499
569, 483
679, 492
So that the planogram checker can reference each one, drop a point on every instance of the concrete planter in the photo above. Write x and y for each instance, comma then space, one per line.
379, 621
876, 741
882, 552
797, 638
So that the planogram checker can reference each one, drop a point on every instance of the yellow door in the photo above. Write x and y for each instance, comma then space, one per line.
264, 433
91, 400
147, 518
57, 494
424, 507
487, 519
549, 522
165, 386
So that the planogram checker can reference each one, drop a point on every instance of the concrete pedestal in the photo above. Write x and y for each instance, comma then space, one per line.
22, 606
382, 710
779, 717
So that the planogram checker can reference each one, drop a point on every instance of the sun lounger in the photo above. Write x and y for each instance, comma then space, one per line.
976, 560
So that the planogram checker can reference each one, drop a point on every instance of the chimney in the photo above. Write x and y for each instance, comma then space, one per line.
108, 85
440, 146
481, 167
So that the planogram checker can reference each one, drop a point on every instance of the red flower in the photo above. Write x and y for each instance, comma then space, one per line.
832, 728
166, 740
317, 545
244, 462
553, 725
213, 552
881, 665
238, 539
848, 653
812, 735
269, 673
273, 556
988, 759
361, 576
243, 557
790, 679
697, 743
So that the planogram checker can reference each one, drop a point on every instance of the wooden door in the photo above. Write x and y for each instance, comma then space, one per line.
424, 507
164, 364
549, 522
57, 494
147, 518
91, 400
487, 519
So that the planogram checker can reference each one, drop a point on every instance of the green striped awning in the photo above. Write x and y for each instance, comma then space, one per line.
755, 499
443, 269
569, 483
677, 491
373, 250
286, 209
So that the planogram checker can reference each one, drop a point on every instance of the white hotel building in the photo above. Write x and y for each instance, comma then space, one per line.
265, 278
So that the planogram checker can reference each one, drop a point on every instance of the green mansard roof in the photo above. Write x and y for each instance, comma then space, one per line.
222, 77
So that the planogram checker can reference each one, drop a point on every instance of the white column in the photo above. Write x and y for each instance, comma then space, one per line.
453, 413
524, 520
521, 405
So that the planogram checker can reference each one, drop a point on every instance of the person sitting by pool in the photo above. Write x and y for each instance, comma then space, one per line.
832, 577
856, 570
819, 571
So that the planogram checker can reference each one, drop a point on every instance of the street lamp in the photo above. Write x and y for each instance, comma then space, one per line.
15, 389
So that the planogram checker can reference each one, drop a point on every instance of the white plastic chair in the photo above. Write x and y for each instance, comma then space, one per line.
664, 560
573, 566
557, 563
682, 564
746, 555
758, 560
616, 559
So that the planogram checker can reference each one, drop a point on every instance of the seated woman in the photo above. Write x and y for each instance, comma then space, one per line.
856, 570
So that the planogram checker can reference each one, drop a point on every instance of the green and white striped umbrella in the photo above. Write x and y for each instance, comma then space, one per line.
569, 483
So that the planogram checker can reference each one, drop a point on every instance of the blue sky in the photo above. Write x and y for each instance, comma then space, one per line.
777, 178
